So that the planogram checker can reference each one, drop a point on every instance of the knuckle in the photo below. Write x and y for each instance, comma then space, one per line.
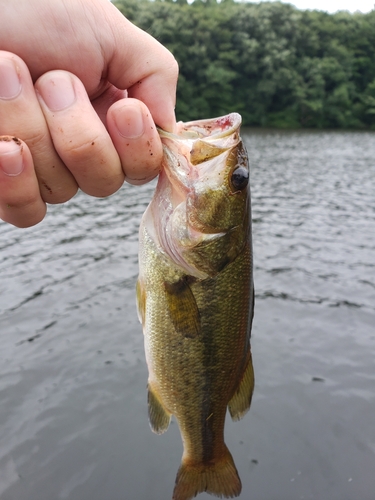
142, 170
95, 165
23, 214
57, 196
141, 180
170, 67
26, 202
174, 68
30, 221
37, 139
83, 151
102, 190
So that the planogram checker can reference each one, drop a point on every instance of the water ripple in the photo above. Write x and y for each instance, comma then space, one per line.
73, 404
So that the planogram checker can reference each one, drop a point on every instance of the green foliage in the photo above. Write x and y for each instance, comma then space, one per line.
276, 65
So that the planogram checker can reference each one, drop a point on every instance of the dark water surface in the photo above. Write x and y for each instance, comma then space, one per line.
73, 415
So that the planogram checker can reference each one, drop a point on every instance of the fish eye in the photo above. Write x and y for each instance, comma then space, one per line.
240, 178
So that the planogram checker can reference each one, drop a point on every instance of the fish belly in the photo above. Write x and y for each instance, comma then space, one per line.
195, 375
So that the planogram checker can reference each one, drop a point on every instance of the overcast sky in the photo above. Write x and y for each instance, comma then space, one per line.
332, 5
335, 5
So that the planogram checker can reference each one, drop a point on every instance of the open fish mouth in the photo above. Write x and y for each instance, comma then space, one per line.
189, 151
203, 139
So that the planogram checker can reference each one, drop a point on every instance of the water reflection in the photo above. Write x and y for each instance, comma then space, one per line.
73, 417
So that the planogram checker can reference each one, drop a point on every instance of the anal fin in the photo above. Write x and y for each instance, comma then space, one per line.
158, 416
239, 405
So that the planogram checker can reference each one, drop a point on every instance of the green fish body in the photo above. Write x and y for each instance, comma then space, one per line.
195, 298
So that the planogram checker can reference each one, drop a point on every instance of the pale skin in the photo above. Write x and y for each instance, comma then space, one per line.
81, 89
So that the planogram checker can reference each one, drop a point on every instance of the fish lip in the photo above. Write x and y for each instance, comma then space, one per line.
205, 129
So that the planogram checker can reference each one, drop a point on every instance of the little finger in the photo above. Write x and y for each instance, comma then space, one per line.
21, 203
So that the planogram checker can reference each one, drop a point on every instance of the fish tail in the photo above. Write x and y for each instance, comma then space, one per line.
219, 478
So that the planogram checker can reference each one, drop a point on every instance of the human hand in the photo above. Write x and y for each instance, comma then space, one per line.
76, 127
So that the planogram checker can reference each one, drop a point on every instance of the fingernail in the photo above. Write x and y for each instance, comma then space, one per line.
11, 161
57, 91
129, 121
10, 85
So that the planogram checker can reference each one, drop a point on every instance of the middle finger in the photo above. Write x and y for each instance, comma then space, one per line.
78, 134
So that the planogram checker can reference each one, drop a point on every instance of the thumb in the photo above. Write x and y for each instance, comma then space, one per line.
139, 63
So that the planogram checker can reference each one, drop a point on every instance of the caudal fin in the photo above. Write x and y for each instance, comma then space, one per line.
219, 478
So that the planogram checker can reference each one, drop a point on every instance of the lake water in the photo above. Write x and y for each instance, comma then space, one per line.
73, 411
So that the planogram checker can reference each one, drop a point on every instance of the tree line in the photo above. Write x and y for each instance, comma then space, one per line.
276, 65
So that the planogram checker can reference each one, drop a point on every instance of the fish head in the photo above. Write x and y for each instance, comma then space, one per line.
204, 191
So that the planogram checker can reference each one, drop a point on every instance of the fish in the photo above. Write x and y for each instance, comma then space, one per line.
195, 298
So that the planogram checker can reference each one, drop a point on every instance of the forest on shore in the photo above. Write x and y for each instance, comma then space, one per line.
276, 65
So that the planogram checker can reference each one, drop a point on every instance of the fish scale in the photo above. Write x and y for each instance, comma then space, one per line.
195, 298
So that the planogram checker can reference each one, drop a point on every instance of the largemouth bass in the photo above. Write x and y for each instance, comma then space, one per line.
195, 298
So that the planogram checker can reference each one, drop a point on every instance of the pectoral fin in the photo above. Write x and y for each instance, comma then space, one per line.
158, 416
183, 308
141, 302
239, 405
